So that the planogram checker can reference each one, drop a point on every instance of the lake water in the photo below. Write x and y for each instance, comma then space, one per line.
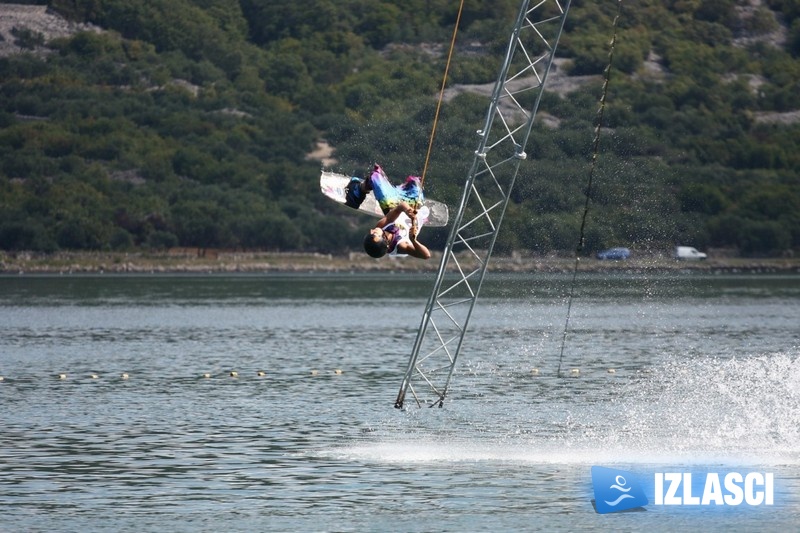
706, 379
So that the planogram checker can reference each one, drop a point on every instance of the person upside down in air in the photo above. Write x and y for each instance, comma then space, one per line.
396, 233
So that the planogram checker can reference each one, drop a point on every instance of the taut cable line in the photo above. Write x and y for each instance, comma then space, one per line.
441, 95
592, 166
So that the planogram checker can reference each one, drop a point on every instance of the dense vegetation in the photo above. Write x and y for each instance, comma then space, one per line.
187, 123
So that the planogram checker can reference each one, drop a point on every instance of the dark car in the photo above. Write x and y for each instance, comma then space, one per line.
614, 254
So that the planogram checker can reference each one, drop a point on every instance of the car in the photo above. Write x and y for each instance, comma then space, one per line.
687, 253
614, 254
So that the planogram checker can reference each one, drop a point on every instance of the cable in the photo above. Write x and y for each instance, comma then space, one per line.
593, 164
441, 95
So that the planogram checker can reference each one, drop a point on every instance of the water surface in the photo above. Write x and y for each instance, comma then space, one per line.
304, 436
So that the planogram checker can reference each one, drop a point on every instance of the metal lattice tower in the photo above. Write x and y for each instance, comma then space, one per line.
501, 149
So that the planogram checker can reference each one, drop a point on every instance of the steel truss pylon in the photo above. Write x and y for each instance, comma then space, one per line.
474, 228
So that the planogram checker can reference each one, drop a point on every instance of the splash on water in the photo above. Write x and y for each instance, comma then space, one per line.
739, 407
703, 411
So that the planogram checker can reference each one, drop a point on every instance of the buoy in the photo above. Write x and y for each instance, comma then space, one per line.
314, 372
124, 376
261, 373
62, 376
534, 371
575, 371
612, 371
206, 375
234, 374
93, 376
338, 371
2, 378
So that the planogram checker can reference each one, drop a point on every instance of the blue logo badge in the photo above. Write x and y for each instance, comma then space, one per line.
616, 490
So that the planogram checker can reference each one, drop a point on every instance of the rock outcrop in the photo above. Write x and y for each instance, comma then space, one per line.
28, 28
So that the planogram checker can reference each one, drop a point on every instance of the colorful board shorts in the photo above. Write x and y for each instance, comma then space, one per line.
389, 196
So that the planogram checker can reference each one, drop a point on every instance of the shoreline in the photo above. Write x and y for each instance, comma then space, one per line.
190, 261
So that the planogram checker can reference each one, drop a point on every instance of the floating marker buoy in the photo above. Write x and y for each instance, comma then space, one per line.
93, 376
62, 376
2, 378
575, 371
124, 376
206, 375
338, 371
234, 374
612, 371
314, 372
534, 371
261, 373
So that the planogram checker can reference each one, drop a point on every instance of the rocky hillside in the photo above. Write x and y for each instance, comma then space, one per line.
27, 28
188, 123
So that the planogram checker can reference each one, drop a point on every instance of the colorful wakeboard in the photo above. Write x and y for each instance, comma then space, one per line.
333, 186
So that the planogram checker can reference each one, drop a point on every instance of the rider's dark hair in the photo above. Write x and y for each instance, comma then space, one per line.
374, 248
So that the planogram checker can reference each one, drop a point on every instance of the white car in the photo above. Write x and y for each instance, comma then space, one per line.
687, 253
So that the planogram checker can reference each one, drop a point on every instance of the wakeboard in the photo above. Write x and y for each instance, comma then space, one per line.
333, 186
